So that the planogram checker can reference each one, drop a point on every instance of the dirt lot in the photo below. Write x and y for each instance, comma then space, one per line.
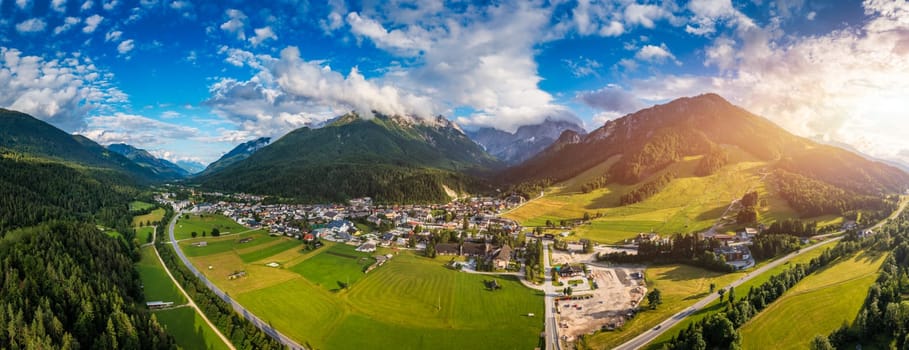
618, 292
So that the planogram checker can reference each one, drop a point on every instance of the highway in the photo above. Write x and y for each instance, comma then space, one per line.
259, 323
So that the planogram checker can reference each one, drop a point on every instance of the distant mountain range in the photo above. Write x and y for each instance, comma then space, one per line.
526, 142
163, 168
241, 152
191, 166
390, 158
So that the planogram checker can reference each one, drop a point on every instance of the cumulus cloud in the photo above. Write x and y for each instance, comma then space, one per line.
68, 23
262, 34
652, 53
91, 23
113, 36
235, 24
33, 25
612, 98
58, 5
60, 91
614, 18
582, 67
135, 130
125, 46
838, 85
412, 40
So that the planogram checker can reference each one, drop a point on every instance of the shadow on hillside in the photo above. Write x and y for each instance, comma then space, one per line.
711, 214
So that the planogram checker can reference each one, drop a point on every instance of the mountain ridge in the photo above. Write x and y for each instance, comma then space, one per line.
162, 167
525, 142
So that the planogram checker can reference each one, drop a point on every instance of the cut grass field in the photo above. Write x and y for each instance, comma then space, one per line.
339, 263
680, 285
716, 306
189, 329
820, 303
217, 245
205, 223
410, 302
157, 286
139, 205
155, 216
260, 253
688, 204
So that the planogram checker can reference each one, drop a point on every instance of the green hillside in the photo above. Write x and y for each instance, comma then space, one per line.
677, 167
392, 159
24, 134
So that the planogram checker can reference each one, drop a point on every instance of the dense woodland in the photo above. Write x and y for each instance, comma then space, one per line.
687, 249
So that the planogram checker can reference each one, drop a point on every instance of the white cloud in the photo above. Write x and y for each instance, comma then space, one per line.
811, 15
68, 23
179, 5
125, 47
846, 85
33, 25
108, 6
113, 35
91, 23
23, 4
708, 13
262, 34
645, 15
235, 23
582, 67
652, 53
58, 5
412, 40
135, 130
60, 91
87, 5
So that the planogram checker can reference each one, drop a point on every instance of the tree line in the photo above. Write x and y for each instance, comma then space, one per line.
648, 189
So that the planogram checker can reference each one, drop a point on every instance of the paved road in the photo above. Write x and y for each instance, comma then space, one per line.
551, 327
648, 336
190, 302
259, 323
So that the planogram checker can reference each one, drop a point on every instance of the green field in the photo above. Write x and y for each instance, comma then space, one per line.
205, 223
743, 288
820, 303
156, 284
337, 264
687, 204
409, 303
217, 245
259, 254
680, 285
138, 205
154, 216
189, 329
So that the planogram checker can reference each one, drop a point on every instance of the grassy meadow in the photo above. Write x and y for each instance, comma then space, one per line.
157, 286
410, 302
189, 329
819, 304
205, 223
155, 216
688, 204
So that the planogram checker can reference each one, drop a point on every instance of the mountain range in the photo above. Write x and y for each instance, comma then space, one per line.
641, 149
163, 168
390, 158
241, 152
525, 142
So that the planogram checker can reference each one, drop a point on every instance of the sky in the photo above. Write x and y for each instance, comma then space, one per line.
190, 80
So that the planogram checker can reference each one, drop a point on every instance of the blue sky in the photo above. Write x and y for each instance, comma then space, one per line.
190, 80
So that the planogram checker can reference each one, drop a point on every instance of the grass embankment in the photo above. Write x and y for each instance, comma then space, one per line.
819, 304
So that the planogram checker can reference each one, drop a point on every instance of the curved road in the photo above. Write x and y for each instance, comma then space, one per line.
262, 325
649, 335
